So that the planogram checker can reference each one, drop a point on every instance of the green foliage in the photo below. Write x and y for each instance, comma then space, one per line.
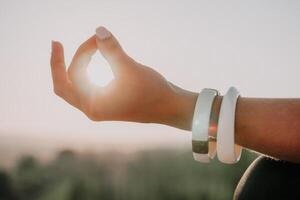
160, 174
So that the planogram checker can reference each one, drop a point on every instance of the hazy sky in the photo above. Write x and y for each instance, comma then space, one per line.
252, 45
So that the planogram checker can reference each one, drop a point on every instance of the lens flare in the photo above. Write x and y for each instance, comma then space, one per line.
99, 71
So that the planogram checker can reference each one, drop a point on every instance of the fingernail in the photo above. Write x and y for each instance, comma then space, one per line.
102, 33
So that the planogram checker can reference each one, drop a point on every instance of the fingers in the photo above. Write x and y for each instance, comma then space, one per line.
61, 84
78, 75
74, 85
58, 66
112, 51
77, 70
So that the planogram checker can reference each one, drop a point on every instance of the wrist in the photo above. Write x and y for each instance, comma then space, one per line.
183, 109
184, 106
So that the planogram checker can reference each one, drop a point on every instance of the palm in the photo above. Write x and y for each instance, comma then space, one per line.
137, 93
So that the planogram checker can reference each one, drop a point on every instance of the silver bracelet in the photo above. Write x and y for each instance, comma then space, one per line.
201, 124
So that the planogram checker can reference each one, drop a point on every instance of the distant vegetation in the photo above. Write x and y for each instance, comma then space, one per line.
160, 174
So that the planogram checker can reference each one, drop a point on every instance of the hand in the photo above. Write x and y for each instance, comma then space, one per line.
137, 93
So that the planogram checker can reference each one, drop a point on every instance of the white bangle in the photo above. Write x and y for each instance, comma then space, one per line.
200, 126
227, 151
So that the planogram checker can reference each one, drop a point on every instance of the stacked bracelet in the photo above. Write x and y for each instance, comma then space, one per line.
204, 131
228, 152
202, 150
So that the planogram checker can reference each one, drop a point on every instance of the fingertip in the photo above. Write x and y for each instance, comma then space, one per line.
108, 45
102, 33
56, 45
57, 54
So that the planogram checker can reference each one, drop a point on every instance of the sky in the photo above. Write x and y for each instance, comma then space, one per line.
253, 45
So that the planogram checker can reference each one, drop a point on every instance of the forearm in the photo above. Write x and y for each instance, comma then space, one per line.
268, 126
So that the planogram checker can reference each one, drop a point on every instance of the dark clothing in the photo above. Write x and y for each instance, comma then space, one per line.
269, 179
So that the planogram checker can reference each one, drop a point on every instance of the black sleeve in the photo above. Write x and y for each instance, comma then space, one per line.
267, 178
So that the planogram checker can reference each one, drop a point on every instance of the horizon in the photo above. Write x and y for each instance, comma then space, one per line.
195, 44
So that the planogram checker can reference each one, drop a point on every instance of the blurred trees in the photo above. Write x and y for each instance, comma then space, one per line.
159, 174
6, 191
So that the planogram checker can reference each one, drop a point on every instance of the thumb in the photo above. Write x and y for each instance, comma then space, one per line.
112, 51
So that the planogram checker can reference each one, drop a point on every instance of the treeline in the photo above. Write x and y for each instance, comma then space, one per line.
159, 174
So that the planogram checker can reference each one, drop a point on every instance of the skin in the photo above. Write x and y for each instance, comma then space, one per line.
140, 94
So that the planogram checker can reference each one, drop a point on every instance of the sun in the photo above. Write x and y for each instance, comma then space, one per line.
99, 71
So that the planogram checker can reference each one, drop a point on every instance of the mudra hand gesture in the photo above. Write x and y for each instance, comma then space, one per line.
137, 92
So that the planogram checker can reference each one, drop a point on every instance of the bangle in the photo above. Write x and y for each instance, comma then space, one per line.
213, 125
227, 151
200, 126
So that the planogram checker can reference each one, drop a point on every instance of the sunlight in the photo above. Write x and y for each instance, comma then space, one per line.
99, 71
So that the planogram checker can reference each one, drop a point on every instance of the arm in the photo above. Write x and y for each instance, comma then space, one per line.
268, 126
139, 93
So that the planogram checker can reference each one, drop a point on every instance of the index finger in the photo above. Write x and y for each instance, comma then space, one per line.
77, 70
